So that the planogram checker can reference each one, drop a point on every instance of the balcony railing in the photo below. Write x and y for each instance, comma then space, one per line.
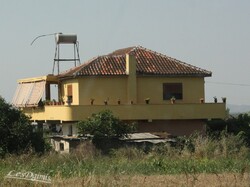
130, 112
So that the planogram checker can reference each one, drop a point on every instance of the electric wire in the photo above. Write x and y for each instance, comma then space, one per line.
227, 83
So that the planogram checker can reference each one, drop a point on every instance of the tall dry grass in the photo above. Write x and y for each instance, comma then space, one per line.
202, 180
192, 161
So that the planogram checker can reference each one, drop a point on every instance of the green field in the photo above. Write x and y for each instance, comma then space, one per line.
224, 159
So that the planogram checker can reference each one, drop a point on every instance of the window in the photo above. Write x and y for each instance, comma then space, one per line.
172, 90
61, 146
70, 93
70, 128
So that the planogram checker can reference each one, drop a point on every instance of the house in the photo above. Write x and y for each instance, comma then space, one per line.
161, 93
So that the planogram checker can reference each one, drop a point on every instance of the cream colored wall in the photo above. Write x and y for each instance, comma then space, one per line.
66, 146
152, 87
114, 88
75, 89
131, 79
102, 88
56, 145
66, 126
130, 112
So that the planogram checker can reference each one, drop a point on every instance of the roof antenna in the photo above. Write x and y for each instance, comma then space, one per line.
43, 36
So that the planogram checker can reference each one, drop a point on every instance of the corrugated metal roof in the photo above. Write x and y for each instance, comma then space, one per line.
146, 137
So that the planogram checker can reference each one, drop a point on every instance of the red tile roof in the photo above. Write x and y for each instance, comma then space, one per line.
148, 63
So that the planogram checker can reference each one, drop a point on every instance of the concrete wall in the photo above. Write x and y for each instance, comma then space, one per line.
75, 90
136, 88
152, 87
173, 127
114, 88
131, 112
101, 89
55, 142
69, 129
131, 87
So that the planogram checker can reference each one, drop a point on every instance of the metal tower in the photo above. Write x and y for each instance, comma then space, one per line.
66, 39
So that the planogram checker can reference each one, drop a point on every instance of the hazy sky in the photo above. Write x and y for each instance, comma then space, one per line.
211, 34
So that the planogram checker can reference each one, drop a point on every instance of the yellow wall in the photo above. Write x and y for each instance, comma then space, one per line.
130, 112
102, 88
114, 88
131, 87
131, 78
75, 90
152, 87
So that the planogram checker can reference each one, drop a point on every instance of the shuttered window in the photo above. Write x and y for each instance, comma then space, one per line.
70, 93
69, 90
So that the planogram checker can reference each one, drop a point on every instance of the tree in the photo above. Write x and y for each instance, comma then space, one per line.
235, 125
105, 128
16, 132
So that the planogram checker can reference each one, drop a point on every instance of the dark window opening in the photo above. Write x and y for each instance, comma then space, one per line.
70, 94
172, 90
70, 130
61, 146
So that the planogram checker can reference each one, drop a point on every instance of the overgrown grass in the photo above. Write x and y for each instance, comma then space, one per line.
190, 156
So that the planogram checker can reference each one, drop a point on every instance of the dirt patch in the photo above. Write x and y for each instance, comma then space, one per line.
160, 180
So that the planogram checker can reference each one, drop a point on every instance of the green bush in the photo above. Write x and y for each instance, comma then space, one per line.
235, 125
16, 132
105, 128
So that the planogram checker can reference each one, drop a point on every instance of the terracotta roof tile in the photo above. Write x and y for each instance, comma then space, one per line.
148, 63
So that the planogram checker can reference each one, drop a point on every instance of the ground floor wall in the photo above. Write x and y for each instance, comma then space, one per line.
64, 145
68, 140
60, 145
69, 129
173, 127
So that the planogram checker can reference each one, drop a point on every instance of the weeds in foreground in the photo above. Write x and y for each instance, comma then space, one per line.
190, 157
223, 179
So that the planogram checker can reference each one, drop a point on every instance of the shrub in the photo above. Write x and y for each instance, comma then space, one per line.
16, 132
224, 145
105, 128
235, 125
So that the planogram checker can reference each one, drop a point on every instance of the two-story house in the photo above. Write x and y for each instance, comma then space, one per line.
137, 84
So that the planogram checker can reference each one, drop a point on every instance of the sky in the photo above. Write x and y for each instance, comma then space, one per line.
213, 35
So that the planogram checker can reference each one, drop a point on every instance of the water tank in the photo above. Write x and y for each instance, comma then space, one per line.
66, 38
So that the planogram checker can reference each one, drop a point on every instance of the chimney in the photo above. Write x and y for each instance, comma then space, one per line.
130, 64
131, 81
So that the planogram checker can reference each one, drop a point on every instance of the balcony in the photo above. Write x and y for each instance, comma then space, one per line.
130, 111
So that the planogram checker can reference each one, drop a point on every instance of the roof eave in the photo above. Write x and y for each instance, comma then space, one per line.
97, 75
47, 78
138, 74
175, 75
